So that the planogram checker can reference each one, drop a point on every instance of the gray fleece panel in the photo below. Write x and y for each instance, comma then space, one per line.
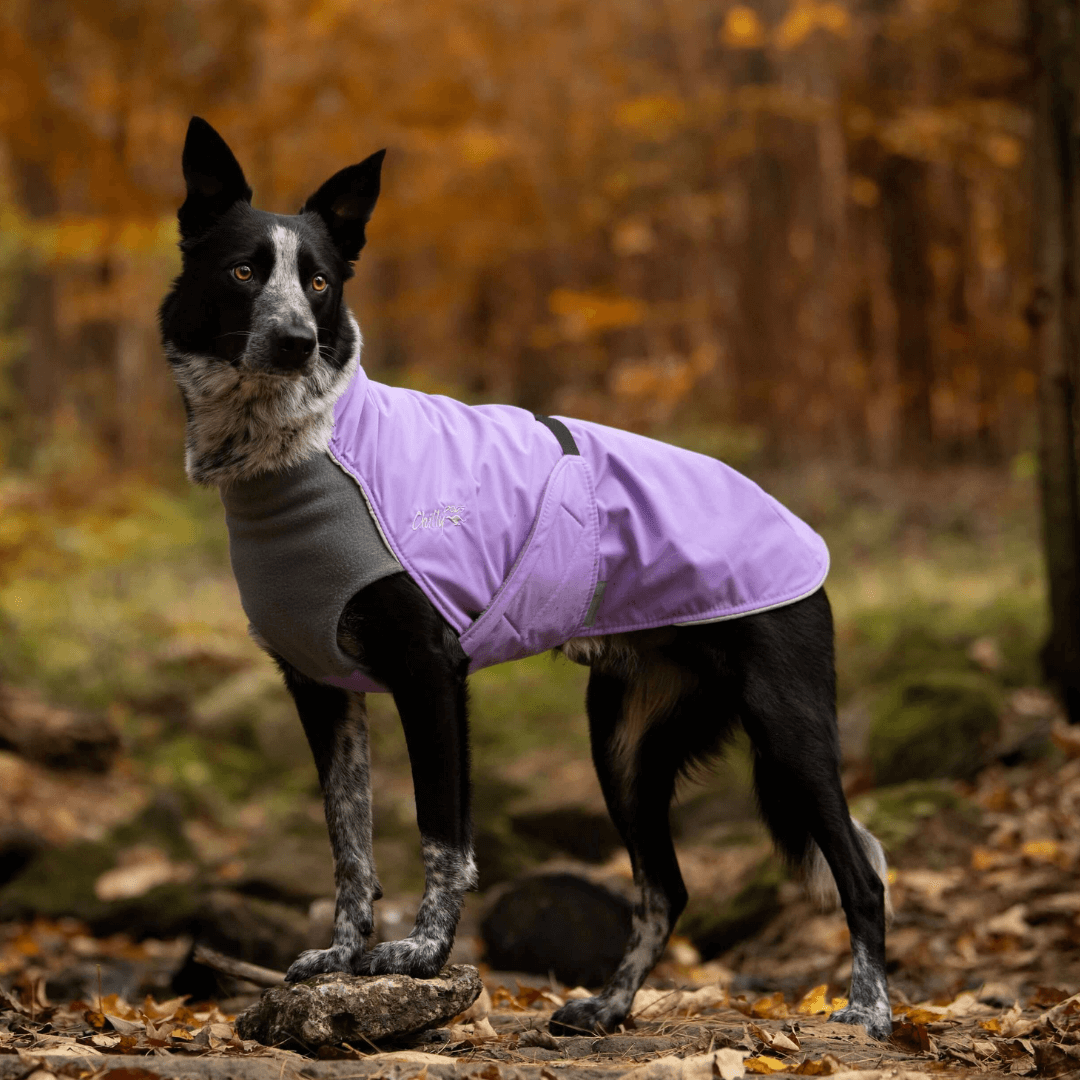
302, 543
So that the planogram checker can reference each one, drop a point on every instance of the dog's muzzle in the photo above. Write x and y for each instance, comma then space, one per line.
290, 349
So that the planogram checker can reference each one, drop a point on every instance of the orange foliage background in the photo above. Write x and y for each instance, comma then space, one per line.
787, 224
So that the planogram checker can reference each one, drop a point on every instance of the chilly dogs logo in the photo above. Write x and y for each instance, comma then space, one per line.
438, 519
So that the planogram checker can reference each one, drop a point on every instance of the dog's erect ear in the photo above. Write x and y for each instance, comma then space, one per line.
215, 181
345, 203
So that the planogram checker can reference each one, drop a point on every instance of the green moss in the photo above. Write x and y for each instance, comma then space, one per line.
883, 644
938, 724
61, 882
895, 814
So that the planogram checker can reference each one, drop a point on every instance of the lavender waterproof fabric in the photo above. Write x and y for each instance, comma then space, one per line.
521, 547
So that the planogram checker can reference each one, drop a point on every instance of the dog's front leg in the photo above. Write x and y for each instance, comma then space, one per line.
335, 722
408, 646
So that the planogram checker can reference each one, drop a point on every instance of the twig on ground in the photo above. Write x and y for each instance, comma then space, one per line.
238, 969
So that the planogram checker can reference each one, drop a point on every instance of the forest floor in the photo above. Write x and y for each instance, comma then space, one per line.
208, 821
983, 951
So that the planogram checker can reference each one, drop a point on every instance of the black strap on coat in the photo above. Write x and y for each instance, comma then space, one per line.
561, 432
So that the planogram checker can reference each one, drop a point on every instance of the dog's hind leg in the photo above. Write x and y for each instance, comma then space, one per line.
335, 722
784, 660
638, 799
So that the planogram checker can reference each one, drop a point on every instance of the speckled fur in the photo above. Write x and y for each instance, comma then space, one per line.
243, 420
868, 998
449, 873
346, 783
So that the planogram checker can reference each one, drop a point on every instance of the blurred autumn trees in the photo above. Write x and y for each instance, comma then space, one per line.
789, 223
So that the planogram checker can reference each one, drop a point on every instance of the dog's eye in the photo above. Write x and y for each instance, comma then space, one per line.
318, 283
242, 272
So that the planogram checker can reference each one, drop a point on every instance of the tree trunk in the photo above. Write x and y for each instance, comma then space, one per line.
1053, 312
907, 229
41, 375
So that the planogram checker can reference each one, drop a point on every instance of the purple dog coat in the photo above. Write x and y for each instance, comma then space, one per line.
523, 536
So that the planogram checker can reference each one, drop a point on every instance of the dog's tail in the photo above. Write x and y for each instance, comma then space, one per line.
818, 879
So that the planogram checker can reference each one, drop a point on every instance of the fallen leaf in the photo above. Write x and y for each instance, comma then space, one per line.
162, 1010
95, 1019
1046, 996
912, 1037
775, 1040
480, 1008
987, 859
765, 1064
814, 1002
1011, 921
827, 1066
1013, 1024
915, 1014
126, 1027
770, 1008
1052, 1059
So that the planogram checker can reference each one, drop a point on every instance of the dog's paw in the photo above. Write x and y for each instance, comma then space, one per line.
422, 958
324, 961
877, 1019
587, 1016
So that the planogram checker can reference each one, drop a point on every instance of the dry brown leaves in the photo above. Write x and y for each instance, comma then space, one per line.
997, 903
40, 947
29, 1023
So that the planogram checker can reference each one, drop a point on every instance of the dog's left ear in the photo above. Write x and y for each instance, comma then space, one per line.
345, 203
215, 181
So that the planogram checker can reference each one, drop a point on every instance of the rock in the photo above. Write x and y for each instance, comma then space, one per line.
558, 923
18, 847
339, 1008
56, 737
60, 881
934, 725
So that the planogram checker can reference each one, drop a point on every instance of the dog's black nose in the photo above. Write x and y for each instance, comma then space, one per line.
291, 348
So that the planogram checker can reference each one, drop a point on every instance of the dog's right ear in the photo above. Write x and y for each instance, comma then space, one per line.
215, 181
345, 203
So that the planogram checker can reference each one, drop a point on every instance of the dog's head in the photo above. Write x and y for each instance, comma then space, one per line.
257, 320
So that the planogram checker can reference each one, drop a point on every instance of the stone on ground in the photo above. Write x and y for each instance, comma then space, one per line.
339, 1008
563, 924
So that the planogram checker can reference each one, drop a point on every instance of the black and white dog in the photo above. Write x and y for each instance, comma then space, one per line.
262, 345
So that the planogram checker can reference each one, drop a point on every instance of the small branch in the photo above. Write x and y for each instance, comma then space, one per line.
238, 969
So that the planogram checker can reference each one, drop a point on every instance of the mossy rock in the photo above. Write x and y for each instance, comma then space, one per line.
931, 726
61, 882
